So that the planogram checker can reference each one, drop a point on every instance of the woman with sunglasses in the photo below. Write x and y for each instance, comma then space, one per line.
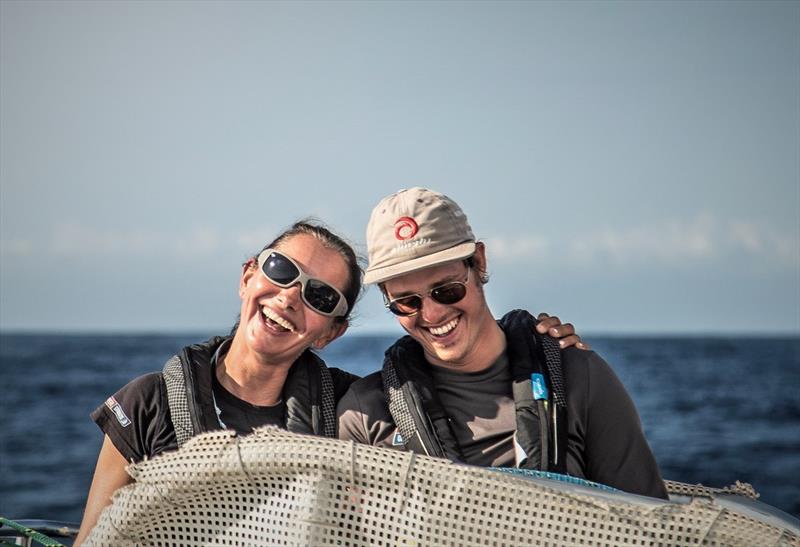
296, 295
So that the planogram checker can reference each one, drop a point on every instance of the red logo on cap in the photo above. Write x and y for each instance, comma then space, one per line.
405, 228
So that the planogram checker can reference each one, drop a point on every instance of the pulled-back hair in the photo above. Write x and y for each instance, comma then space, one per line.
316, 229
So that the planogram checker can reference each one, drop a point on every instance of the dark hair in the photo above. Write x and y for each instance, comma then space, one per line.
316, 229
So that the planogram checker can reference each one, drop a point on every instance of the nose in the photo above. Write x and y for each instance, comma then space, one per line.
290, 297
432, 311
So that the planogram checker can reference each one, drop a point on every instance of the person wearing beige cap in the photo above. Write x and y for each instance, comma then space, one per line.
467, 387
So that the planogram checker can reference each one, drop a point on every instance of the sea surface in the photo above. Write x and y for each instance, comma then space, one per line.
715, 410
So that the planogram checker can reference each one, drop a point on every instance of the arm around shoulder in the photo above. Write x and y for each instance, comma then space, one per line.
109, 475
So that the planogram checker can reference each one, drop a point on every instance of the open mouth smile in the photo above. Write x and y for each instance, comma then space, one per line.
271, 318
445, 329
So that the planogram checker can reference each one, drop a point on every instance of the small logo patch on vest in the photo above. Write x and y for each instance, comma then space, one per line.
397, 439
116, 408
539, 387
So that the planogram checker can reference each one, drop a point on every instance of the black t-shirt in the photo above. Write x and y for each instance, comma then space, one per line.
137, 418
243, 417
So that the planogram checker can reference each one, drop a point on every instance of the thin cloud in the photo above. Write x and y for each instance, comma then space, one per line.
16, 246
511, 248
675, 243
252, 240
77, 240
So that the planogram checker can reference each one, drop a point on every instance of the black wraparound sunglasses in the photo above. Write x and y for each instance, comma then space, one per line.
448, 293
284, 272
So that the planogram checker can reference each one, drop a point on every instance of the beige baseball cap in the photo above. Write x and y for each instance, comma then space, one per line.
414, 229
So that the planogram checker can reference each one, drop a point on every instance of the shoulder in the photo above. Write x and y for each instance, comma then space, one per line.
141, 389
342, 380
591, 383
142, 394
363, 413
135, 418
368, 386
586, 367
146, 382
594, 389
575, 358
365, 392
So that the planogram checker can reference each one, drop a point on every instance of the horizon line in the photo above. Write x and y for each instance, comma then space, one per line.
392, 333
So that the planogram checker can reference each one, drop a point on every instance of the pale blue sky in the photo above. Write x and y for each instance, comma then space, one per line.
632, 166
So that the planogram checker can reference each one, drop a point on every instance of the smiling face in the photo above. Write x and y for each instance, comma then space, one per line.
275, 322
461, 336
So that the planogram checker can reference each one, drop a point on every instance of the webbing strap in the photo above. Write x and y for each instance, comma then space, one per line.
552, 435
178, 400
552, 358
328, 401
398, 406
557, 451
181, 417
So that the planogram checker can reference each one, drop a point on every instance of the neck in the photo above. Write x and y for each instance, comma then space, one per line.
250, 378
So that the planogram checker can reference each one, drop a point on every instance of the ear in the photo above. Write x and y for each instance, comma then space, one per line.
480, 256
248, 269
336, 329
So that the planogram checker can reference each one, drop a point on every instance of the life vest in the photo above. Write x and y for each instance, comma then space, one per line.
538, 388
308, 392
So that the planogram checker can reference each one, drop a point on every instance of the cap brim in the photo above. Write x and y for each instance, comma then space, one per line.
379, 275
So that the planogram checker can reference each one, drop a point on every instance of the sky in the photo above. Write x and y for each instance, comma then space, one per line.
633, 167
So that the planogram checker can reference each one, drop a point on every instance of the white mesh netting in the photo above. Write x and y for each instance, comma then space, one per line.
279, 488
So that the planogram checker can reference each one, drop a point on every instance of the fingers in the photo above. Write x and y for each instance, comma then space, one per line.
564, 333
546, 323
561, 331
554, 328
572, 340
567, 337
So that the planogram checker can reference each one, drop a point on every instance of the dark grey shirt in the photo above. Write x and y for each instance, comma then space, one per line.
605, 439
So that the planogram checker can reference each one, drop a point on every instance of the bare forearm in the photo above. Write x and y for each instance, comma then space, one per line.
109, 475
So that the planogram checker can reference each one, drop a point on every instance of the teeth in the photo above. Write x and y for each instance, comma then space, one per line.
269, 314
444, 329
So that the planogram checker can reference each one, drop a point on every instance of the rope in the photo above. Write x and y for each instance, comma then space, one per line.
29, 533
695, 490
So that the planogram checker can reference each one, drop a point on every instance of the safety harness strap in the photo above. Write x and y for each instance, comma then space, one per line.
425, 427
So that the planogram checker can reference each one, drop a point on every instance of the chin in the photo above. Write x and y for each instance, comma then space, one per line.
448, 356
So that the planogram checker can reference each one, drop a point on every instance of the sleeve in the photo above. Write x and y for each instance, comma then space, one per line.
350, 419
617, 452
136, 418
342, 380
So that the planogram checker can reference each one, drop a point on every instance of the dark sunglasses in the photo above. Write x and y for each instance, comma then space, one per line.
448, 293
284, 272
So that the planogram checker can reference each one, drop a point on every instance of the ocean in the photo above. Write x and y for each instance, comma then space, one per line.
715, 409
